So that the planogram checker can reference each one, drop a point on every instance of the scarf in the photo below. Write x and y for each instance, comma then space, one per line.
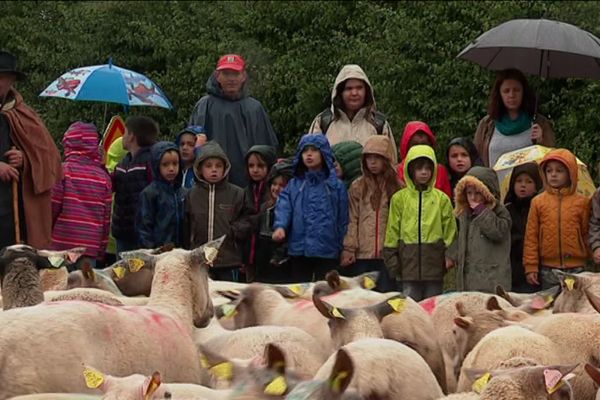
509, 127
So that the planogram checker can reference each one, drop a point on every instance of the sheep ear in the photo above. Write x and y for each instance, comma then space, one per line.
460, 307
369, 280
395, 304
492, 304
72, 255
164, 248
593, 299
480, 378
218, 365
568, 282
275, 358
333, 279
463, 322
151, 384
208, 252
554, 376
593, 372
292, 291
88, 271
500, 291
327, 310
342, 372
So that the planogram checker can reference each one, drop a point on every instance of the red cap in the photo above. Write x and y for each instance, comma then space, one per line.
231, 61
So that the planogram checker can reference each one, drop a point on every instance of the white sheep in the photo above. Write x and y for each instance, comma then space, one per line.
119, 340
572, 297
594, 373
57, 396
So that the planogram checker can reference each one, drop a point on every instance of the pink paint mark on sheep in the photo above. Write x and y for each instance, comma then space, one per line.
165, 277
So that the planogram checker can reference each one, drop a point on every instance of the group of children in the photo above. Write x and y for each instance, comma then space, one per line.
415, 223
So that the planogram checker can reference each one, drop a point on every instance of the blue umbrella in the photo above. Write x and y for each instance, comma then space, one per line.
108, 83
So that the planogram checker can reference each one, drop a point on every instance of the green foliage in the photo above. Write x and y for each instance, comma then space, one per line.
294, 50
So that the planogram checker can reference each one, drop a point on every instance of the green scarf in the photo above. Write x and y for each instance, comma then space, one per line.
509, 127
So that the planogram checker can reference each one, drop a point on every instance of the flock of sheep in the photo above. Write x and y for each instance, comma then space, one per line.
154, 326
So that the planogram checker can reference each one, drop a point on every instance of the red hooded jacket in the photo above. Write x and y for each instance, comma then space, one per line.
442, 182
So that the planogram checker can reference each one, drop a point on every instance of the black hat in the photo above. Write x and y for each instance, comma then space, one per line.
8, 64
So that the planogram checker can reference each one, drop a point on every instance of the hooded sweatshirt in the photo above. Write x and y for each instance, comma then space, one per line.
468, 145
236, 124
410, 130
482, 252
216, 209
420, 227
81, 201
558, 222
519, 210
313, 207
361, 127
160, 214
187, 179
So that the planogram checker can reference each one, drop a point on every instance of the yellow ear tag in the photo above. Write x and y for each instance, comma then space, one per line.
480, 384
56, 261
277, 387
296, 289
397, 305
229, 310
336, 384
570, 282
93, 378
223, 370
368, 283
204, 362
337, 313
119, 272
135, 264
210, 254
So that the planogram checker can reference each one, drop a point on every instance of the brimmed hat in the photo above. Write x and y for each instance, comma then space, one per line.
231, 61
8, 64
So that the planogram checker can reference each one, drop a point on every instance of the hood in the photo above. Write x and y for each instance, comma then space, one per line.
210, 150
115, 154
156, 152
82, 139
352, 71
468, 145
268, 154
380, 145
281, 168
213, 87
348, 156
568, 159
486, 181
192, 130
531, 169
320, 142
415, 152
409, 131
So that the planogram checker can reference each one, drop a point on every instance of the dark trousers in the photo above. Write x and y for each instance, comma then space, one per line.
231, 274
362, 266
309, 269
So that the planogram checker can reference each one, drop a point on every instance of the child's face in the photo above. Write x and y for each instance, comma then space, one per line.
127, 138
277, 185
169, 166
524, 186
419, 138
311, 157
473, 195
186, 147
213, 170
422, 174
375, 163
257, 168
557, 174
459, 159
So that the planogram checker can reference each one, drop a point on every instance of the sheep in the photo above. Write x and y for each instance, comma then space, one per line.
57, 396
57, 278
408, 376
88, 277
530, 302
503, 344
142, 339
593, 373
573, 298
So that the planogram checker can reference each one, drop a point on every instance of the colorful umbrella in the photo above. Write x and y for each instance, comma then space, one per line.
108, 83
508, 161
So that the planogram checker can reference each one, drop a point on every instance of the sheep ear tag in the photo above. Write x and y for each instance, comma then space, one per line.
480, 384
56, 261
368, 283
93, 378
210, 254
204, 362
570, 283
297, 289
553, 380
229, 310
119, 272
223, 370
152, 383
336, 383
72, 256
335, 312
397, 305
277, 387
135, 264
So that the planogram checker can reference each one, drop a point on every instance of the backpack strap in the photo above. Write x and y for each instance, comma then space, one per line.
379, 120
326, 117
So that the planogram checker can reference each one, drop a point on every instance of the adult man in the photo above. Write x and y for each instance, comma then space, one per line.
231, 117
28, 156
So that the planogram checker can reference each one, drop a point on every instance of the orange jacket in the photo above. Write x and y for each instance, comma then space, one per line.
558, 222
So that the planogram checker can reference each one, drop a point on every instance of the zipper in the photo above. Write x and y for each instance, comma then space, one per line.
211, 211
559, 230
176, 217
420, 207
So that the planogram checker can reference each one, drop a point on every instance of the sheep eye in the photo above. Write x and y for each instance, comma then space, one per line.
167, 395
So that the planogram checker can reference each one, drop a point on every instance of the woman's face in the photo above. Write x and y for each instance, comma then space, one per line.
511, 92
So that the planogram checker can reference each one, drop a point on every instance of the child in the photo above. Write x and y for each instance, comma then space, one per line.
271, 258
81, 201
460, 156
130, 177
558, 223
160, 214
482, 252
347, 161
417, 132
369, 198
115, 154
259, 160
189, 141
525, 183
312, 211
215, 207
420, 228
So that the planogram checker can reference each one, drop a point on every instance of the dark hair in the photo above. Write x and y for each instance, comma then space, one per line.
417, 163
145, 130
338, 102
496, 108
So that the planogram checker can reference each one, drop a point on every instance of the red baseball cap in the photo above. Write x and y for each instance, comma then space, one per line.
231, 61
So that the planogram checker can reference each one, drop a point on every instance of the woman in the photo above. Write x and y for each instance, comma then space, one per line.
511, 122
352, 115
